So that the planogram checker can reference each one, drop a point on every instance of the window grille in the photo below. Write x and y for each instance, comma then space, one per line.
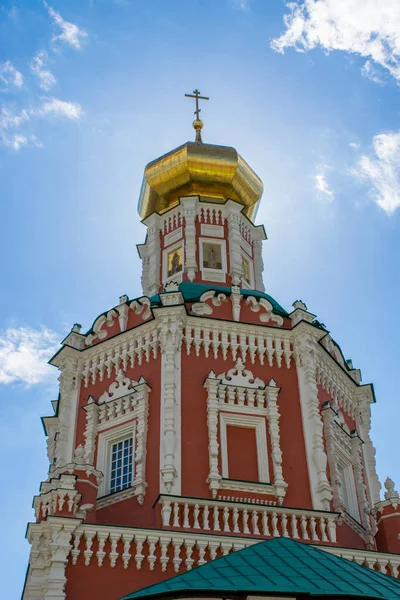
121, 465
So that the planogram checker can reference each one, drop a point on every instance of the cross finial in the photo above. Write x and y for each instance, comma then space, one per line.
197, 123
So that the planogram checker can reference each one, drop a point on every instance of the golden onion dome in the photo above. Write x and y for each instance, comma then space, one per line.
217, 173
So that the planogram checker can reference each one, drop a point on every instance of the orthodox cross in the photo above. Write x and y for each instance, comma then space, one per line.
197, 124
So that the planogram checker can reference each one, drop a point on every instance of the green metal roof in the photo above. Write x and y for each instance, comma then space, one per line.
192, 291
278, 566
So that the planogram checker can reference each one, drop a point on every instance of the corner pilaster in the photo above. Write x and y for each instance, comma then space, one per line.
153, 256
170, 324
234, 238
305, 356
189, 205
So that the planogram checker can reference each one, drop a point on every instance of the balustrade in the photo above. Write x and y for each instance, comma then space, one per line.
151, 548
248, 519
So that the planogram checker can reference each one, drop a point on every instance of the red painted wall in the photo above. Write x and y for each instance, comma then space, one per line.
242, 453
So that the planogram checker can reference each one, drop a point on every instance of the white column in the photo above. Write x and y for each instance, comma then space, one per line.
233, 211
258, 237
189, 205
321, 491
70, 380
273, 415
153, 256
92, 420
170, 335
214, 477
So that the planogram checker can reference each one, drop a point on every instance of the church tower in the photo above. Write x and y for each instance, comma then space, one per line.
202, 417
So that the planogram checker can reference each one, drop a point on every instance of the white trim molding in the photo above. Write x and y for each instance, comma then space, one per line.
306, 347
250, 422
122, 409
240, 399
209, 273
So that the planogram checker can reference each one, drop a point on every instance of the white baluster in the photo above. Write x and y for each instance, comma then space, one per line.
166, 513
284, 526
216, 526
322, 527
186, 516
235, 519
87, 553
126, 556
254, 522
151, 559
202, 549
196, 513
265, 526
226, 519
113, 553
189, 551
303, 525
332, 529
206, 511
75, 550
164, 556
295, 531
139, 556
313, 527
245, 518
176, 515
177, 551
213, 547
274, 520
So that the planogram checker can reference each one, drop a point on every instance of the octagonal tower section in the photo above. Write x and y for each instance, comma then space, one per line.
202, 416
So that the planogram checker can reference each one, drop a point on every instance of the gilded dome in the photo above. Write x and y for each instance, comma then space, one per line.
217, 173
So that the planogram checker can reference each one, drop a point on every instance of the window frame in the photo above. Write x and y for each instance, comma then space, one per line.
253, 422
106, 440
218, 275
171, 248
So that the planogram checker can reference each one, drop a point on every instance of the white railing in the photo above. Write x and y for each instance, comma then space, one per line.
95, 545
248, 519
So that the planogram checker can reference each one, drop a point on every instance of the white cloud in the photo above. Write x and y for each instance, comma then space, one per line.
382, 171
11, 123
355, 145
10, 75
241, 4
24, 353
46, 78
370, 28
60, 108
70, 33
321, 184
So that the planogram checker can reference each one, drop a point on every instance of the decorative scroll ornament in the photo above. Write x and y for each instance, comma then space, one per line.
240, 376
266, 306
119, 388
202, 308
140, 307
98, 331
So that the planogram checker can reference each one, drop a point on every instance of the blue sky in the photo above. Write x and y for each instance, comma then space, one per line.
92, 90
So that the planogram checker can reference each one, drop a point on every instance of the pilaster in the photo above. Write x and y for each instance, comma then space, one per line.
258, 238
214, 477
305, 346
273, 416
364, 508
234, 210
69, 363
190, 205
153, 256
170, 324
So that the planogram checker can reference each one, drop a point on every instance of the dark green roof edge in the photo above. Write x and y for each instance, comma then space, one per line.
278, 566
192, 292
